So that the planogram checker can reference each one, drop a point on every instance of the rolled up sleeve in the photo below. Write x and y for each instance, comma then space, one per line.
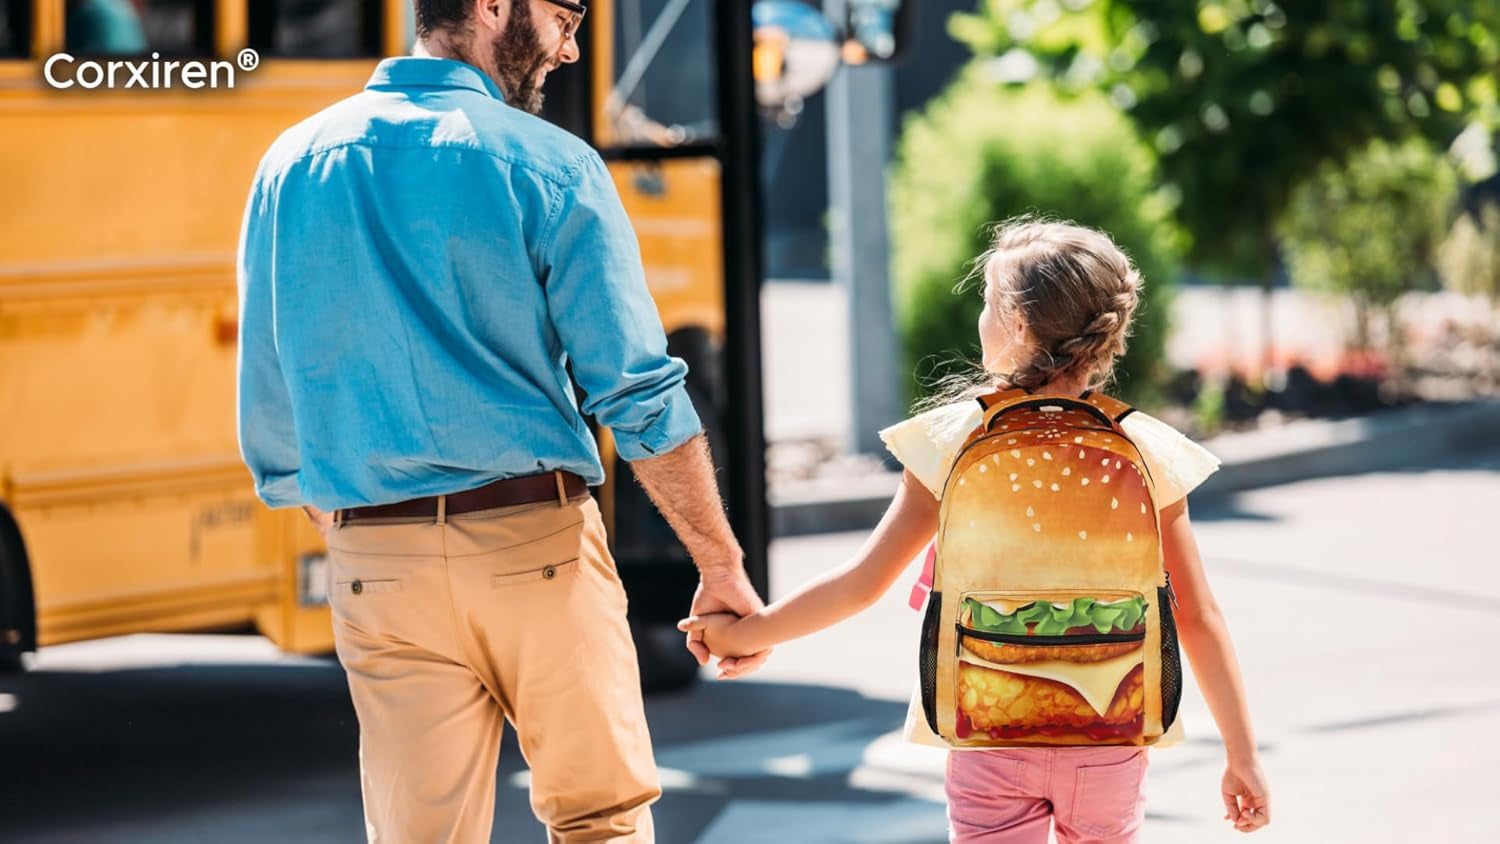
590, 265
263, 407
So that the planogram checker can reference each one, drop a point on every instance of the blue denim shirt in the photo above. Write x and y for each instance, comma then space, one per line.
418, 265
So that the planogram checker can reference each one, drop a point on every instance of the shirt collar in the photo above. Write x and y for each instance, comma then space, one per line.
429, 72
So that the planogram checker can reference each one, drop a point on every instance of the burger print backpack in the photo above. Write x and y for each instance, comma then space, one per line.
1050, 617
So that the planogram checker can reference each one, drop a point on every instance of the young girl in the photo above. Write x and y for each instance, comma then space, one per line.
1058, 301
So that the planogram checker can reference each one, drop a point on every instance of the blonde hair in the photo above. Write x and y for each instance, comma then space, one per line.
1070, 289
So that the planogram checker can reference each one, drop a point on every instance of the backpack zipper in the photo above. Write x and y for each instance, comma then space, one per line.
1043, 641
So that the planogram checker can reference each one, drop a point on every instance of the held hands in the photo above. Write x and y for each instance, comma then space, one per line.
723, 591
717, 632
1247, 801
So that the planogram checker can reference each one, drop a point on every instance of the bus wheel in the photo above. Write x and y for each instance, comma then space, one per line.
17, 611
666, 664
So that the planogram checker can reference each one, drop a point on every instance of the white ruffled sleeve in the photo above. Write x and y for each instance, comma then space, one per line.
926, 443
1178, 465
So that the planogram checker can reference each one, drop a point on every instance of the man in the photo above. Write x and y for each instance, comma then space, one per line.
418, 265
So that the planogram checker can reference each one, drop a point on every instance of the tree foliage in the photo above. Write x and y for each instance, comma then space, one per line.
1372, 227
984, 152
1470, 257
1244, 99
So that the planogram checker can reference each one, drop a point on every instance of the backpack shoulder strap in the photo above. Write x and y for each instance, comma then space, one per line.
997, 403
1002, 397
1113, 408
994, 404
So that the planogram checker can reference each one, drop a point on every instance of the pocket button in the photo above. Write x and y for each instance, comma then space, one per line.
549, 572
356, 587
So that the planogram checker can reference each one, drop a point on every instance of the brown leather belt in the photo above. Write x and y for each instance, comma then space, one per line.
529, 489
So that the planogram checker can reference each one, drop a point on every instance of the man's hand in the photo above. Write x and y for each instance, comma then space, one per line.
321, 521
1247, 801
725, 590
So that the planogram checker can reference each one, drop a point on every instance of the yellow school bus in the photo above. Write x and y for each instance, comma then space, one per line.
129, 132
124, 506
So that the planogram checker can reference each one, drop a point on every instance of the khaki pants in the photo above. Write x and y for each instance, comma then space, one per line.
448, 627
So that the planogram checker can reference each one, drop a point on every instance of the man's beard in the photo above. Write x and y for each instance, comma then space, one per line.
519, 59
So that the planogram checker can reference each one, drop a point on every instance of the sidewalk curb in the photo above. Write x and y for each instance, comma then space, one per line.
1301, 450
1329, 448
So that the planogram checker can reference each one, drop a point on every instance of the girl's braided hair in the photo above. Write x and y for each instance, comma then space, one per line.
1071, 288
1072, 291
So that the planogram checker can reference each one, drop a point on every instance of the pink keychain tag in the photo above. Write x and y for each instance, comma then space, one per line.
923, 587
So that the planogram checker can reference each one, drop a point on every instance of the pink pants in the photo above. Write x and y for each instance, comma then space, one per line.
1012, 796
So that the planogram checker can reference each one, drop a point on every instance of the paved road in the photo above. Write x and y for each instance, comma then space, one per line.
1362, 607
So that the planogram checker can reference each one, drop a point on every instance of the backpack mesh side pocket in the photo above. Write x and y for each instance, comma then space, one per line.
1171, 660
927, 658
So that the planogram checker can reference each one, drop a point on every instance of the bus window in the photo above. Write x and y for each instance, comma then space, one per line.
14, 29
316, 29
132, 27
663, 93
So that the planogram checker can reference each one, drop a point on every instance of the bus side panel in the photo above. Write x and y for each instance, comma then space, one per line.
123, 553
121, 176
118, 323
118, 455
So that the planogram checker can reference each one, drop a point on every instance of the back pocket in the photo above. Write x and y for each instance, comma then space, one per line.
1106, 798
552, 572
358, 587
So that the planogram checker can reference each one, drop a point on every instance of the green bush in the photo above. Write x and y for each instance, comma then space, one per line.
1371, 228
1470, 256
983, 152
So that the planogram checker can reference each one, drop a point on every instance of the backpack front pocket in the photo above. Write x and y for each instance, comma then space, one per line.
1057, 667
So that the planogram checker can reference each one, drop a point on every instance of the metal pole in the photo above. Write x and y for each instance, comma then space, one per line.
860, 127
749, 511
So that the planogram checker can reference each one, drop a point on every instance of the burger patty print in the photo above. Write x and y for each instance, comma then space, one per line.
1053, 667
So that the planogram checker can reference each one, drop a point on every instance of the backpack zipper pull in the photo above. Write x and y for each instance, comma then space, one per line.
1171, 593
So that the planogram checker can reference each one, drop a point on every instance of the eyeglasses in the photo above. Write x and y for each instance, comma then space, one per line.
570, 23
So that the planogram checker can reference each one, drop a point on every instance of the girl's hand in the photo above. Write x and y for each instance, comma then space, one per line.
717, 595
717, 630
1247, 801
